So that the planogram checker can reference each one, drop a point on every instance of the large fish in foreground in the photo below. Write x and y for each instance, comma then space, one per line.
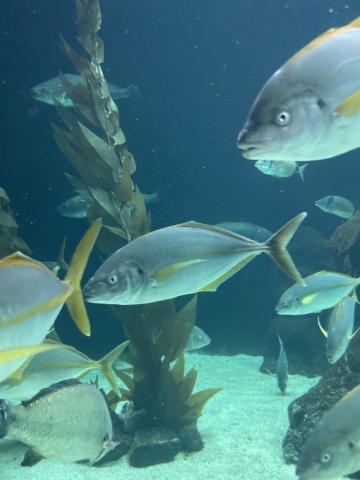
183, 259
310, 108
31, 297
53, 88
332, 449
68, 422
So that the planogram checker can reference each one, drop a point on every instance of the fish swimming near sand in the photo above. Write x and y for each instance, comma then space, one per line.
246, 229
310, 108
180, 260
68, 422
332, 449
280, 169
282, 369
76, 207
55, 366
31, 298
46, 92
340, 329
339, 206
198, 339
322, 290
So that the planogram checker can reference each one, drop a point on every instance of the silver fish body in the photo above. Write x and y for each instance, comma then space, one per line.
259, 234
322, 290
46, 91
198, 339
282, 369
180, 260
280, 169
340, 329
331, 449
335, 205
309, 109
68, 424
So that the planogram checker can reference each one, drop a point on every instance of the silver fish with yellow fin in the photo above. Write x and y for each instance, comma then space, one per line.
183, 259
322, 290
55, 366
332, 449
310, 108
340, 329
68, 422
31, 297
280, 169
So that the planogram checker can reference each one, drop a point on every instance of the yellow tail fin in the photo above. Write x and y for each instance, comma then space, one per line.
106, 366
276, 248
75, 301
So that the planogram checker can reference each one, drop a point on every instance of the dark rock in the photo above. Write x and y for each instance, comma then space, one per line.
345, 244
304, 344
306, 411
154, 445
132, 419
124, 443
190, 438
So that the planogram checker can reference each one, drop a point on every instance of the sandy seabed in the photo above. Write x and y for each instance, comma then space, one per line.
242, 427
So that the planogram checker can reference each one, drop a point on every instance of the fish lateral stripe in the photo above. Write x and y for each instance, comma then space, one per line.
355, 24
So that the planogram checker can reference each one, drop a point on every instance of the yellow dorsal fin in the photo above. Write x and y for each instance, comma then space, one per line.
18, 259
211, 287
75, 301
324, 332
105, 365
350, 106
325, 36
168, 272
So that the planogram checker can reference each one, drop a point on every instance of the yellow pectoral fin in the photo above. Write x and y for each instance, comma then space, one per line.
211, 287
324, 332
307, 300
350, 106
168, 272
11, 354
356, 331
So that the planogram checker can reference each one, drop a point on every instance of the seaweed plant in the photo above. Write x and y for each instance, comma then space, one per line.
95, 145
9, 240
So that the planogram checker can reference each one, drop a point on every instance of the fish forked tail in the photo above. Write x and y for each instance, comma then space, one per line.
300, 170
75, 301
106, 366
276, 248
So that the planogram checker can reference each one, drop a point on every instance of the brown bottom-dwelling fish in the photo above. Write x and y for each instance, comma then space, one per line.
67, 422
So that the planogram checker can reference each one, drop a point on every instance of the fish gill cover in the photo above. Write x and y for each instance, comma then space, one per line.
158, 334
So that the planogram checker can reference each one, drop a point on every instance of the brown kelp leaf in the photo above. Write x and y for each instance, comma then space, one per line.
125, 378
178, 369
21, 245
105, 200
6, 220
197, 402
79, 185
126, 185
117, 231
187, 385
88, 18
139, 220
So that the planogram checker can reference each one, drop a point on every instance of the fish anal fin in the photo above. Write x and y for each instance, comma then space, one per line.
324, 332
168, 272
350, 106
211, 287
31, 458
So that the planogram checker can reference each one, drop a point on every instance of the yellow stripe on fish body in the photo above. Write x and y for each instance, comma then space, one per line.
350, 106
310, 298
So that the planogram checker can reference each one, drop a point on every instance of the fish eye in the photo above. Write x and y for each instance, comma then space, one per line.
326, 457
112, 279
285, 303
297, 299
320, 103
140, 271
282, 118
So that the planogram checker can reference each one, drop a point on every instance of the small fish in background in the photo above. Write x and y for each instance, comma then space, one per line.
200, 259
60, 263
339, 206
282, 369
76, 207
55, 366
53, 88
331, 451
198, 339
67, 422
246, 229
340, 329
322, 290
280, 169
309, 109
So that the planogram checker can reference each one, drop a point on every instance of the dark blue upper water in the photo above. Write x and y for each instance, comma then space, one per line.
199, 65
